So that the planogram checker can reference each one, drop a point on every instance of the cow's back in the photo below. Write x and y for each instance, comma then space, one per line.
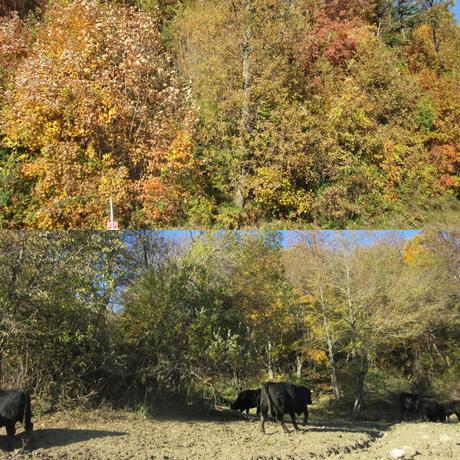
275, 399
287, 397
12, 405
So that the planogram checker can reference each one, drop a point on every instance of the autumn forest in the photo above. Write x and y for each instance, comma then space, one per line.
200, 113
145, 319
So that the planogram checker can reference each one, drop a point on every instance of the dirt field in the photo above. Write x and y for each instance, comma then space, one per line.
124, 435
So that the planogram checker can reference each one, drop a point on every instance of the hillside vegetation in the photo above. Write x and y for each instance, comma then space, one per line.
136, 320
326, 113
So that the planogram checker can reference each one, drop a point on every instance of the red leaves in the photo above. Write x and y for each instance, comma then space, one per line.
334, 35
446, 160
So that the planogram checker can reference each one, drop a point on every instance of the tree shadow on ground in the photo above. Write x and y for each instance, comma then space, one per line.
215, 415
53, 437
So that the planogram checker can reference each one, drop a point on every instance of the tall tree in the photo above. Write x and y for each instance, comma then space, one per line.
308, 268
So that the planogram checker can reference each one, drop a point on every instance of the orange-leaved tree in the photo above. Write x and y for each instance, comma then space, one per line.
14, 43
97, 110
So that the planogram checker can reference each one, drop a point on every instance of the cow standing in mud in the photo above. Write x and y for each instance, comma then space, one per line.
15, 407
279, 398
451, 407
247, 399
408, 402
427, 408
431, 410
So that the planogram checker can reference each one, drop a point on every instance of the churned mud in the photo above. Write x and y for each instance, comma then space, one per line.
225, 435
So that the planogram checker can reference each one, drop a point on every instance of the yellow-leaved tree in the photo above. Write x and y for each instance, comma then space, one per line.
97, 110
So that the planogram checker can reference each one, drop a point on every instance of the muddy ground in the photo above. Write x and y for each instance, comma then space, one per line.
224, 435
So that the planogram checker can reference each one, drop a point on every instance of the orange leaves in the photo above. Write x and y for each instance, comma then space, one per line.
415, 250
98, 105
15, 39
316, 355
165, 189
179, 159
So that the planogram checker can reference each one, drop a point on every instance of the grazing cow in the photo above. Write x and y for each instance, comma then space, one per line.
15, 407
279, 398
452, 407
408, 402
246, 400
431, 410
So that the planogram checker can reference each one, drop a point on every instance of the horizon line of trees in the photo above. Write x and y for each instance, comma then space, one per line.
229, 114
135, 318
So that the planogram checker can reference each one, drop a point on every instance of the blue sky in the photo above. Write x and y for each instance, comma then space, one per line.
288, 236
456, 10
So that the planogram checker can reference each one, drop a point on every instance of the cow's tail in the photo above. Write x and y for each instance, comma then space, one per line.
27, 415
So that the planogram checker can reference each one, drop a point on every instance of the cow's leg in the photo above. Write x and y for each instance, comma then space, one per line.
28, 440
281, 422
442, 415
422, 413
28, 436
10, 429
305, 415
292, 414
10, 432
262, 422
247, 411
401, 414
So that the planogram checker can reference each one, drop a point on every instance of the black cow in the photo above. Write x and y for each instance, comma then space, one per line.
279, 398
408, 402
246, 400
431, 410
15, 407
452, 407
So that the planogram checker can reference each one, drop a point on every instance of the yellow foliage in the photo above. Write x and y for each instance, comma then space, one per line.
414, 251
317, 356
99, 118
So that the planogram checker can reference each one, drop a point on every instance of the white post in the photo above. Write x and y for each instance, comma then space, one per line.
111, 209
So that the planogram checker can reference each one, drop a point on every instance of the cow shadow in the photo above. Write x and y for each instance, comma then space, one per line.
323, 428
375, 430
53, 437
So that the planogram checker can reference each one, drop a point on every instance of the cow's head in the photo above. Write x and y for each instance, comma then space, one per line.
236, 405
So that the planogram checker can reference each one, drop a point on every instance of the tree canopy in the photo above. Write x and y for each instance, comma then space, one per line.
215, 113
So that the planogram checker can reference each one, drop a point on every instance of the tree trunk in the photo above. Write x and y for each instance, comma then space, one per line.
245, 108
360, 378
435, 36
287, 9
270, 363
330, 349
351, 317
334, 379
298, 366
